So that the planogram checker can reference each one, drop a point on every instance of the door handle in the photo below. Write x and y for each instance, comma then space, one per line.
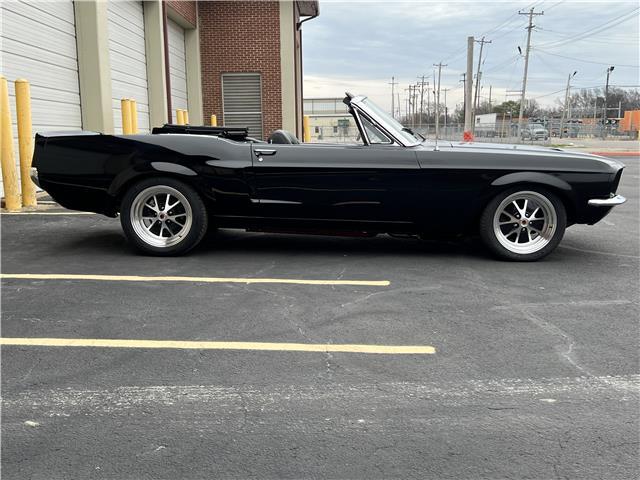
264, 151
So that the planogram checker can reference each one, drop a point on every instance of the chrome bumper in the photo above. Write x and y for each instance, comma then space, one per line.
607, 202
33, 173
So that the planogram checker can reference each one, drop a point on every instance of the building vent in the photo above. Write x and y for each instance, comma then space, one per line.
242, 102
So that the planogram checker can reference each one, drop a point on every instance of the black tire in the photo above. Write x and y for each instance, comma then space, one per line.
555, 227
182, 237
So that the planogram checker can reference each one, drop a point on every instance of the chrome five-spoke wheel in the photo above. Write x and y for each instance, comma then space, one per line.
161, 216
524, 222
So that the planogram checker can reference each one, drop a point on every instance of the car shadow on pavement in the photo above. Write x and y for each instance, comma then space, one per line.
229, 241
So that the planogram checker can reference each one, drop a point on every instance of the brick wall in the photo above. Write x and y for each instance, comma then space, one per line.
241, 37
186, 8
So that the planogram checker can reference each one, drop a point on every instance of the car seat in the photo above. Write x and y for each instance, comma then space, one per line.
282, 136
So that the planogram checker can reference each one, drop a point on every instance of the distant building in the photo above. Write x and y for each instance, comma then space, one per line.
329, 120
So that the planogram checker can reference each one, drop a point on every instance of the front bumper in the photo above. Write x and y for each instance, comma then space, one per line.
607, 202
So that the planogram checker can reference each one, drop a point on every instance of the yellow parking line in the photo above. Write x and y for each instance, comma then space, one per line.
197, 345
136, 278
48, 213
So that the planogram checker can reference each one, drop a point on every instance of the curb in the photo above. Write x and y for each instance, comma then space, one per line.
616, 154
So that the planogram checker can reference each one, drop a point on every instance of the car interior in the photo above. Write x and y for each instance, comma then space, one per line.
283, 137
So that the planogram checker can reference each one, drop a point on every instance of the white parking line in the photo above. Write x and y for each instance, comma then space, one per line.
136, 278
46, 213
205, 345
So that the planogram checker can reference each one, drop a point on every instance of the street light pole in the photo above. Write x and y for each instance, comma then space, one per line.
606, 95
566, 102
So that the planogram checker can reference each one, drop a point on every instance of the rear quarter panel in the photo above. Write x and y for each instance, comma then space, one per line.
91, 172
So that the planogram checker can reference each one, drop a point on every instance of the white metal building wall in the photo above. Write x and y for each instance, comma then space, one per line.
177, 66
38, 43
128, 60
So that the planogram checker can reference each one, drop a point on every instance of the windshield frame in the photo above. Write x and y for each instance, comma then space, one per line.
384, 120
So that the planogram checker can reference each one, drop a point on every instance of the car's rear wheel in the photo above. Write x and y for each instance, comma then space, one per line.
523, 224
163, 216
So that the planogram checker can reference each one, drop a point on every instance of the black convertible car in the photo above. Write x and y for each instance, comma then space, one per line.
171, 186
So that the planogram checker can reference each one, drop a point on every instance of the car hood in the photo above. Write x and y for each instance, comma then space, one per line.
523, 156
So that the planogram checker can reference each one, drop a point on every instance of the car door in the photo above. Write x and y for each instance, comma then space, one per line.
361, 183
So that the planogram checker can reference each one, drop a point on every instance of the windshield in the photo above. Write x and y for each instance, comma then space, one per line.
390, 123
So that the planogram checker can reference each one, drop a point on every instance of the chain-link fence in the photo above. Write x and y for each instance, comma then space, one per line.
531, 133
454, 132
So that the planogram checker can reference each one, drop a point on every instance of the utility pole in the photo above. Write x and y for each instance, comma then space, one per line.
490, 98
445, 90
468, 121
476, 100
422, 84
464, 91
413, 106
531, 14
606, 104
410, 104
393, 105
566, 102
439, 65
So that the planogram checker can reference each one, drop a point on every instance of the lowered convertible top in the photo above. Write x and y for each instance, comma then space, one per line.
238, 134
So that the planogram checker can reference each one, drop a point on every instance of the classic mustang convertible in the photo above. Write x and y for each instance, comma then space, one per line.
169, 187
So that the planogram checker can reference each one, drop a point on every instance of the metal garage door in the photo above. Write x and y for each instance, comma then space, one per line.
38, 42
242, 101
177, 66
128, 60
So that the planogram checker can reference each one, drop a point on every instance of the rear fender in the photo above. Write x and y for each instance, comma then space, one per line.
152, 168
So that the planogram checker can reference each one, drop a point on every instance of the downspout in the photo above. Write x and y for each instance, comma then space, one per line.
165, 29
301, 83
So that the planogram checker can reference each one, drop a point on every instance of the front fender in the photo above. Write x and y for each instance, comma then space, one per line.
557, 185
532, 177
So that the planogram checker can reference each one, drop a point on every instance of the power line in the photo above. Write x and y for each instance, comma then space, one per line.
608, 24
457, 53
584, 61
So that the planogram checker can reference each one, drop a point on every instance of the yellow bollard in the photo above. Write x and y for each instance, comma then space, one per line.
9, 176
125, 110
186, 116
180, 117
133, 108
305, 129
25, 141
214, 121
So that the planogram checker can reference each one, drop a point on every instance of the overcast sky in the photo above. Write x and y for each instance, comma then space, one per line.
358, 46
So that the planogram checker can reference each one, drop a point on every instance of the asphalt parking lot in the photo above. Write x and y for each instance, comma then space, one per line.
519, 370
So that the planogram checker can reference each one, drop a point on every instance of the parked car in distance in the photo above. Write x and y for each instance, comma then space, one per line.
534, 132
170, 186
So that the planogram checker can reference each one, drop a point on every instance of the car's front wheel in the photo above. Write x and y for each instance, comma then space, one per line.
163, 216
523, 224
